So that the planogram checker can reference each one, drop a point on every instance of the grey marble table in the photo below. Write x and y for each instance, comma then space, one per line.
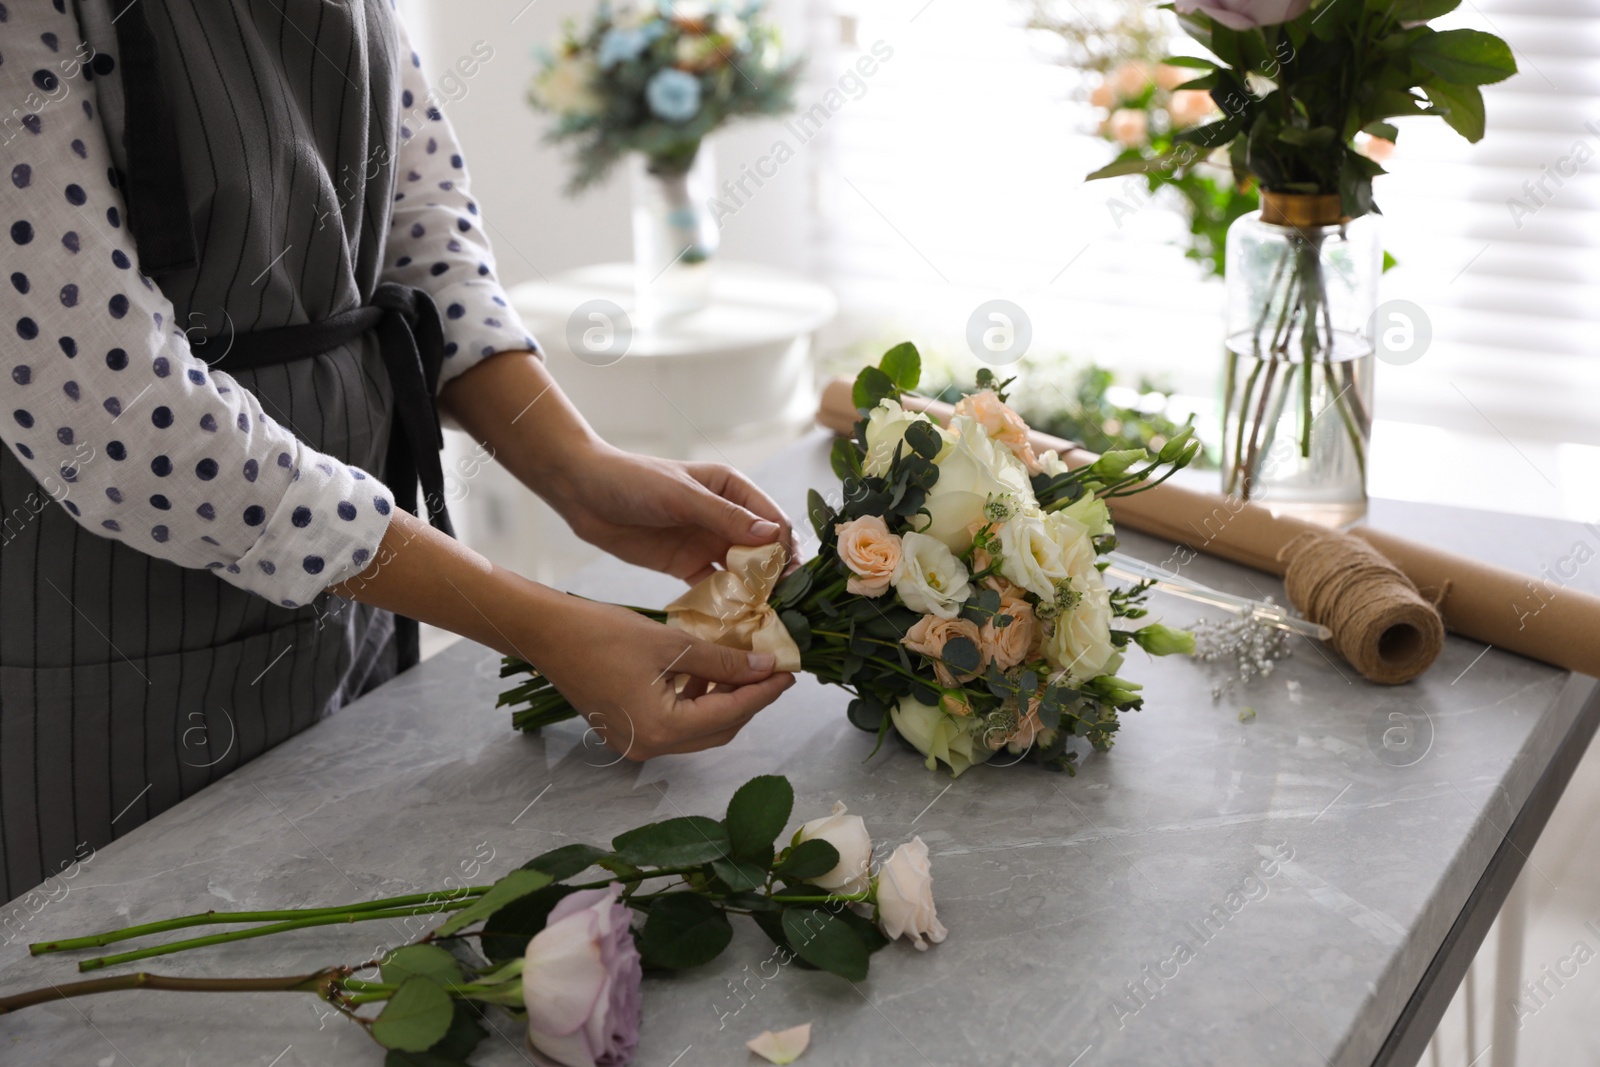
1310, 864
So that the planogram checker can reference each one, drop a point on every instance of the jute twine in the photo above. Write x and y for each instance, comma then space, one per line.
1381, 624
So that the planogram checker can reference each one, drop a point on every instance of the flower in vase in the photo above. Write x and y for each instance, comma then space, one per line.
566, 87
580, 982
1128, 126
620, 45
673, 95
1246, 14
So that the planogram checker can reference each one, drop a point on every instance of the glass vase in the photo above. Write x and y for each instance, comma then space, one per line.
674, 235
1297, 393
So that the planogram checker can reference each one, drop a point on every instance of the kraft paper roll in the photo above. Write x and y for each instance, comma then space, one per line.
1533, 617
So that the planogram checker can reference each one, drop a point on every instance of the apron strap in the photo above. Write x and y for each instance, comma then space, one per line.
411, 339
157, 199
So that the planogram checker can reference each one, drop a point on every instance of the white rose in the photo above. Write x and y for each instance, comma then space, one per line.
905, 896
566, 87
886, 428
847, 834
1080, 640
1037, 551
973, 471
929, 578
938, 736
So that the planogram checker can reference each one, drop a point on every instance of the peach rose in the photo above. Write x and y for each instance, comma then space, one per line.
1029, 727
871, 552
1189, 106
1103, 96
1128, 127
1007, 589
928, 638
1000, 423
1130, 79
1006, 646
1170, 77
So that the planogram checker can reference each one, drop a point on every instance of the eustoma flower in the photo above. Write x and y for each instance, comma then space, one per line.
580, 982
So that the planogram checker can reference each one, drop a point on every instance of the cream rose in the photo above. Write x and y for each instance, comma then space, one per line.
848, 835
928, 637
929, 578
974, 470
1001, 424
1039, 551
1006, 646
1080, 639
871, 553
938, 736
567, 87
886, 428
905, 897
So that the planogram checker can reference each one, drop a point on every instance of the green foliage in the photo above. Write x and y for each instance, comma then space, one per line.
825, 941
683, 930
514, 886
756, 816
452, 1050
566, 861
416, 1018
1294, 96
674, 842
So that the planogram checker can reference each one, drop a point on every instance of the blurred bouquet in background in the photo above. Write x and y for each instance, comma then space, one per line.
1117, 44
957, 591
656, 79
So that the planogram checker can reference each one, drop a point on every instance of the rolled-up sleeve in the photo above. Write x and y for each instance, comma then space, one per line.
106, 406
437, 241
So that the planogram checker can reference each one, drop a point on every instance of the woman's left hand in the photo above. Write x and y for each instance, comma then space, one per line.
668, 515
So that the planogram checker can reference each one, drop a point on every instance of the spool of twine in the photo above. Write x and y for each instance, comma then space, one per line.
1381, 624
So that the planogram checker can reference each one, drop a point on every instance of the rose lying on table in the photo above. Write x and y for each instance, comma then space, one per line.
956, 592
565, 953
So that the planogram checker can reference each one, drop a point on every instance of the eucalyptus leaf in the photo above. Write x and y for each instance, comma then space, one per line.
799, 628
416, 1018
960, 654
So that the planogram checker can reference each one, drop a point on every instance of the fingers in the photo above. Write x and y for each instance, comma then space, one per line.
723, 712
751, 516
717, 663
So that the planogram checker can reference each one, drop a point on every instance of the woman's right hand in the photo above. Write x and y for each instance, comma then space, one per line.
621, 671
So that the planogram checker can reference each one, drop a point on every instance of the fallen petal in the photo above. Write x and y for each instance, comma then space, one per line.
785, 1046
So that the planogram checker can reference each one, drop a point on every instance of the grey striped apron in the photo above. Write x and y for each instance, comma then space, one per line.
128, 683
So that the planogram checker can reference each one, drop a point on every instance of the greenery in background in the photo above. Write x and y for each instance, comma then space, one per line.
656, 79
1293, 96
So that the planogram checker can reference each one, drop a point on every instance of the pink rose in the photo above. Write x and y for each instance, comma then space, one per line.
1130, 79
1246, 14
1000, 422
1189, 106
580, 982
1128, 127
1006, 646
928, 637
1028, 729
871, 552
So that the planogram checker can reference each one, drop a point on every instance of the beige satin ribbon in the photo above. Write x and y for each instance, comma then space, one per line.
730, 608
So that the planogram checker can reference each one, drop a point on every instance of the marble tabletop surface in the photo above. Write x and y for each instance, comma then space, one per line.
1220, 888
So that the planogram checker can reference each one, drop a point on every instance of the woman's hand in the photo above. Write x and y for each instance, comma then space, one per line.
676, 517
618, 668
680, 518
622, 672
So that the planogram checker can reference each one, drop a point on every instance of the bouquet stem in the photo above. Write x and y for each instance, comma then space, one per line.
321, 983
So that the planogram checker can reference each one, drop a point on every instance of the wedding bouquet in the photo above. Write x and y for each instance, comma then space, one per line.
957, 591
656, 79
562, 954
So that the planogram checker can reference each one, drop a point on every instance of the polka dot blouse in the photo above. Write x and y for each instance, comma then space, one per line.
105, 404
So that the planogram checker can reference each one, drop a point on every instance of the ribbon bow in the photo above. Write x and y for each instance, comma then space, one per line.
730, 607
